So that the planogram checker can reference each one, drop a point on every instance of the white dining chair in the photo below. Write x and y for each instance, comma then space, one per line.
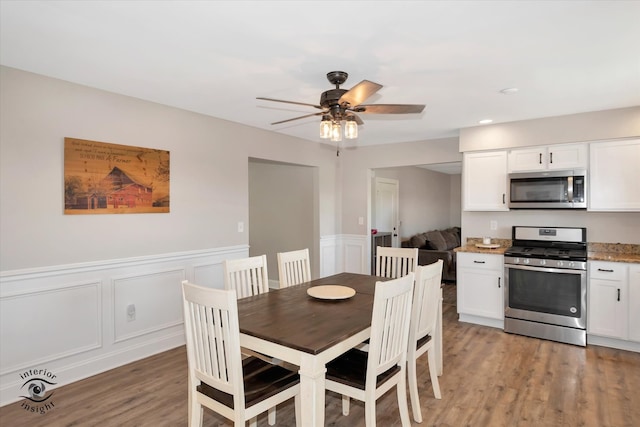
248, 276
368, 375
294, 267
427, 300
395, 262
219, 378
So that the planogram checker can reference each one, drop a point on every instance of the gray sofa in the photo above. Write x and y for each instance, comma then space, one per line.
434, 245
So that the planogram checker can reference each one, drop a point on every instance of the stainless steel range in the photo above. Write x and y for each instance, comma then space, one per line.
546, 284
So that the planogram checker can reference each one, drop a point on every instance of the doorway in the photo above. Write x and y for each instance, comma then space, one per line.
283, 212
387, 207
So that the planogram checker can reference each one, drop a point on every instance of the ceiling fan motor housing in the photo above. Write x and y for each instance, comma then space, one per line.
331, 97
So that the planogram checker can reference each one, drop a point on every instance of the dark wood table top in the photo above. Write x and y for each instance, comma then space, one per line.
294, 319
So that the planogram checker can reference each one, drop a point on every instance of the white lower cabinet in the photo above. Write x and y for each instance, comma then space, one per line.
480, 288
614, 300
634, 302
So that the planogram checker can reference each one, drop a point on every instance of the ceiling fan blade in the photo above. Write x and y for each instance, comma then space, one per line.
390, 109
289, 102
301, 117
357, 94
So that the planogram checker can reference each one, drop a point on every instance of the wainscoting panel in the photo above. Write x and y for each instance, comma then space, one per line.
162, 310
72, 319
355, 253
209, 275
42, 326
329, 256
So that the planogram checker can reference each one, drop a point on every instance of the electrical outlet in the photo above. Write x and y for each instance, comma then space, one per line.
360, 220
131, 312
240, 227
494, 225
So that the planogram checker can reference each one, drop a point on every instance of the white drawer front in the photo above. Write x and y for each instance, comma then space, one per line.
483, 261
607, 270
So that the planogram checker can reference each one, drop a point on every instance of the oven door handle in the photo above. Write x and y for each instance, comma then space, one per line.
544, 269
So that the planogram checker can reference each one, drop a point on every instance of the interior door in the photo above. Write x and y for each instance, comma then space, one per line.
387, 206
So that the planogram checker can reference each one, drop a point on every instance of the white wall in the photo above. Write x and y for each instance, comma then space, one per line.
356, 185
614, 227
591, 126
66, 280
209, 174
425, 199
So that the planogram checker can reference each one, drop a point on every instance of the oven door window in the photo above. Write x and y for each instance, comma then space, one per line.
545, 292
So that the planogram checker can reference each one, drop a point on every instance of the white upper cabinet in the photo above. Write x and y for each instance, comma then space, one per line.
485, 181
552, 157
614, 176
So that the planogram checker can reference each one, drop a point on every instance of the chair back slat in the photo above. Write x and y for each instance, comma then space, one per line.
395, 262
247, 276
390, 323
294, 267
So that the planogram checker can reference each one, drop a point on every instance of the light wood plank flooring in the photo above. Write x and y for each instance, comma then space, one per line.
490, 379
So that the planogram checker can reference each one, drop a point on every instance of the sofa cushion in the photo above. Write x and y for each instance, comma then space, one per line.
428, 245
456, 232
437, 240
418, 241
450, 239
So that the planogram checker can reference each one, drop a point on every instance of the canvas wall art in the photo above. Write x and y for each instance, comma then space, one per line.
103, 178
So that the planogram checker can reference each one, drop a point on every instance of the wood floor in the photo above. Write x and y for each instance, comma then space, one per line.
490, 379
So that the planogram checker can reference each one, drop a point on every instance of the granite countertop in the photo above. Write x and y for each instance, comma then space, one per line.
471, 246
612, 252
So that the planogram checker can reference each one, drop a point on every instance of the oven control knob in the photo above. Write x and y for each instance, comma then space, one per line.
543, 262
525, 261
560, 263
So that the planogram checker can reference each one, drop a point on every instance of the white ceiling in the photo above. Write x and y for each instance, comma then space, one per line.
216, 57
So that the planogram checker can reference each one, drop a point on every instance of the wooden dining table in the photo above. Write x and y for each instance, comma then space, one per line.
308, 332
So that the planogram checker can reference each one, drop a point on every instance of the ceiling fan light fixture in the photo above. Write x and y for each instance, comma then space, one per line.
351, 128
336, 132
325, 127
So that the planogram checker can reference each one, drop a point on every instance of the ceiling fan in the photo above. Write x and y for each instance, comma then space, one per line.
338, 105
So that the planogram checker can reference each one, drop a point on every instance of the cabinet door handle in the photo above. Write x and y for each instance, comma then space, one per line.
605, 270
479, 262
504, 196
550, 157
499, 281
540, 160
618, 294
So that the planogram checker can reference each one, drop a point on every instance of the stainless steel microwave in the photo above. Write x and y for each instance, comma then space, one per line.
564, 189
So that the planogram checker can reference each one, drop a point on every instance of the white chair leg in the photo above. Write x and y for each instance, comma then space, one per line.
298, 406
433, 372
402, 402
345, 405
413, 389
370, 413
196, 413
271, 416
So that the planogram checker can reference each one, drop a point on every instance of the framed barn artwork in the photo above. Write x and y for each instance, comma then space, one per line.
103, 178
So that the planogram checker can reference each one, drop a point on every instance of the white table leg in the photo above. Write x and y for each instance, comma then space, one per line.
312, 391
